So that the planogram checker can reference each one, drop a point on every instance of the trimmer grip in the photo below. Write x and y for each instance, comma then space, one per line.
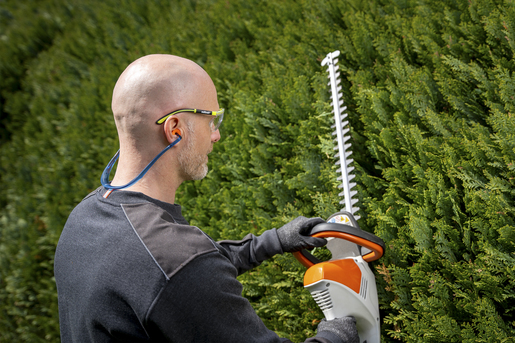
348, 233
306, 258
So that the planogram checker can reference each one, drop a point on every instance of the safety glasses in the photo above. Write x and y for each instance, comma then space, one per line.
214, 123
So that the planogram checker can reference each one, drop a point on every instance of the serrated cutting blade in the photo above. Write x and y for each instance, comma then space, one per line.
342, 133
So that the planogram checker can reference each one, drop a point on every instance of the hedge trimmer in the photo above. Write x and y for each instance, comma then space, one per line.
344, 285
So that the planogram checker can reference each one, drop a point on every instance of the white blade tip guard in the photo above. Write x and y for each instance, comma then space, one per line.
342, 134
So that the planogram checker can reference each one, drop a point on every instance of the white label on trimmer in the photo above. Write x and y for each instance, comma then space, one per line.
343, 219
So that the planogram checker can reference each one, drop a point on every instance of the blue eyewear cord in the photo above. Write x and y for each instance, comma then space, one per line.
104, 179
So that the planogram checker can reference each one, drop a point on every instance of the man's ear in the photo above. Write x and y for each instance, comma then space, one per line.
172, 130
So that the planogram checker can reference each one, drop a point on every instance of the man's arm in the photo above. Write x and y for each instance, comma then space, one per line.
252, 250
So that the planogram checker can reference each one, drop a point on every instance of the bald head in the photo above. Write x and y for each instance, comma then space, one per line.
153, 86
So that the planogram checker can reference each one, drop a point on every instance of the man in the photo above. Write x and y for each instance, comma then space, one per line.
128, 266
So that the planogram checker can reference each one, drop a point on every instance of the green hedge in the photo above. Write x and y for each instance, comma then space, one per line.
430, 96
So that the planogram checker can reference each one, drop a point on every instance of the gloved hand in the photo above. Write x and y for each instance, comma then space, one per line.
345, 328
292, 238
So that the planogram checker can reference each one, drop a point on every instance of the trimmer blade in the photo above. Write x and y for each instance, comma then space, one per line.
342, 133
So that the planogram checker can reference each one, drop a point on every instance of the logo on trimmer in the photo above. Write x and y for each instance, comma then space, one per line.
341, 219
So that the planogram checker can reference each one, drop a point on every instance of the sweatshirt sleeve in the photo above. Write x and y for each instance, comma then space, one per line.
203, 303
252, 250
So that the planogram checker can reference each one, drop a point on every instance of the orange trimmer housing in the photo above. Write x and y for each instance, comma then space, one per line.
345, 285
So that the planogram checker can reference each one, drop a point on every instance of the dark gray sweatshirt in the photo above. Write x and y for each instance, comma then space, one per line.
129, 268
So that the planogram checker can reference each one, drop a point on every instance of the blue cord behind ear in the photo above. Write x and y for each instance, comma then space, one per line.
104, 179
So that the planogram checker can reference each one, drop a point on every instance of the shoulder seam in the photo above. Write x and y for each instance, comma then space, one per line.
184, 263
158, 295
207, 236
143, 243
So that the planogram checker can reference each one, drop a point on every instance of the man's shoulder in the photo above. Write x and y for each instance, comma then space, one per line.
92, 193
172, 245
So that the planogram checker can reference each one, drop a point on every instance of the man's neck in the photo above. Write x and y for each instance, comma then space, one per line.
155, 183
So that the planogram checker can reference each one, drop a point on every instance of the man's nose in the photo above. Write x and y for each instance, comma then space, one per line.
215, 136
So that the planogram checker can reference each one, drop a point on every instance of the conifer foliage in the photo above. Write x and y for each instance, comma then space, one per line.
429, 88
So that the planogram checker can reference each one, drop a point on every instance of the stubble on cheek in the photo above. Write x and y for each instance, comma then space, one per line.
193, 165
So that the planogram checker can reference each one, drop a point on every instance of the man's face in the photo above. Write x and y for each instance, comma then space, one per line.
199, 136
193, 159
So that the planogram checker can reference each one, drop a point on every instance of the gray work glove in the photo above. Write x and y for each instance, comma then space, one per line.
292, 237
345, 328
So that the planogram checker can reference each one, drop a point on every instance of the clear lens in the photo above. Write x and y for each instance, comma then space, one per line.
217, 121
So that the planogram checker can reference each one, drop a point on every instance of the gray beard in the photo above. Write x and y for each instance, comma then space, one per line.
193, 165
